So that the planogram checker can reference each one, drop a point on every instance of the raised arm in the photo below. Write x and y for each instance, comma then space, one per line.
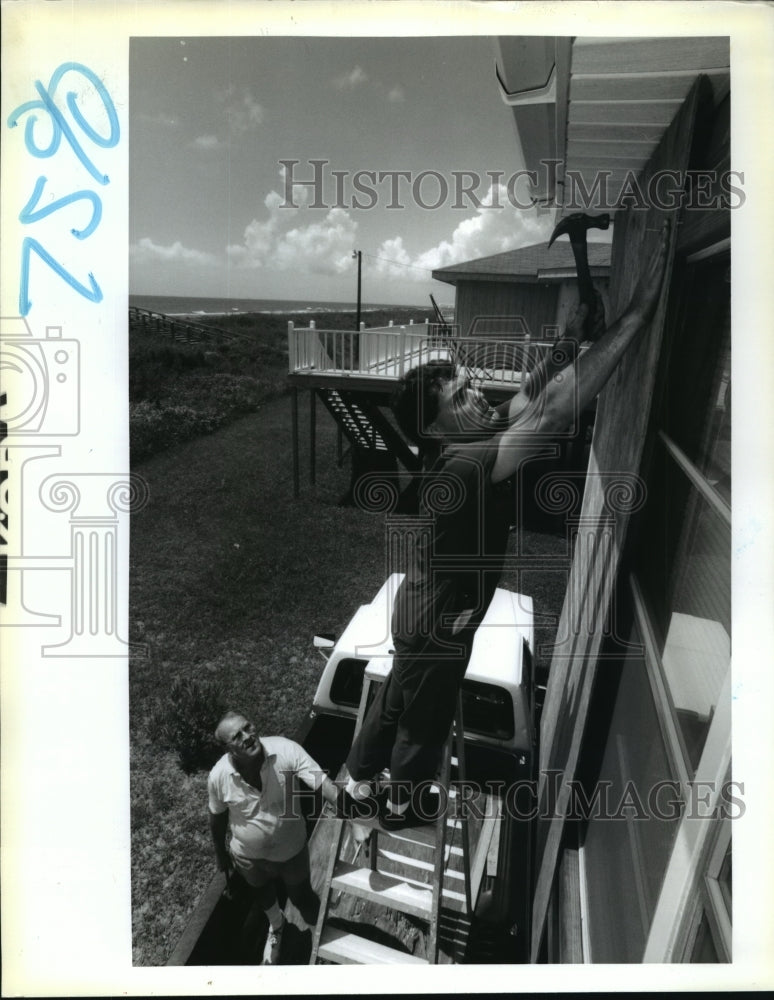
571, 390
561, 354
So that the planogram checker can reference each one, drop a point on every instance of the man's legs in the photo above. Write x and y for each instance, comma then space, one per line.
260, 876
295, 875
371, 750
430, 688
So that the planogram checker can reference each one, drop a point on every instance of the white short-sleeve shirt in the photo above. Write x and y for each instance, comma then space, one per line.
266, 824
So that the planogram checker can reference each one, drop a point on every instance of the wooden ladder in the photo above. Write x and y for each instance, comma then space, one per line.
403, 887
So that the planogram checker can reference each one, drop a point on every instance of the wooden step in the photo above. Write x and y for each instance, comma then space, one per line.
340, 946
404, 894
425, 834
403, 862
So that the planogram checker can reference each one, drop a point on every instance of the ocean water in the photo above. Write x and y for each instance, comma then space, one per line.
174, 305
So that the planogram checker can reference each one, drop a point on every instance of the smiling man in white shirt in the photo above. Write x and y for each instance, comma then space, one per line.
249, 796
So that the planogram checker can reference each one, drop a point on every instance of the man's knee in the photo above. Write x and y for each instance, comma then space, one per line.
265, 894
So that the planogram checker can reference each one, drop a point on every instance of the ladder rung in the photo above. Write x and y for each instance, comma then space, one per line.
406, 895
424, 834
427, 866
451, 793
340, 946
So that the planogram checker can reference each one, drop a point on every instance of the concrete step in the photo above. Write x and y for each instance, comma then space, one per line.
397, 893
349, 949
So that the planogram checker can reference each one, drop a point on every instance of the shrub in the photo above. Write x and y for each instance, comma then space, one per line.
185, 720
153, 427
201, 404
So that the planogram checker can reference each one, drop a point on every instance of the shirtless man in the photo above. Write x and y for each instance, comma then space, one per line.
452, 576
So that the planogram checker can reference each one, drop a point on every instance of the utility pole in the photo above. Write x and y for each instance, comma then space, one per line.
359, 255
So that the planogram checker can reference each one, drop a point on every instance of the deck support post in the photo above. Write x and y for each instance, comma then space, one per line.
294, 418
312, 436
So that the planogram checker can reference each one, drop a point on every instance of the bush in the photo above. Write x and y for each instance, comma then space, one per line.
153, 427
200, 405
185, 721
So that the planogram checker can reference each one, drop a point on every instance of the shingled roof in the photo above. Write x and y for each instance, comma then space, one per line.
528, 264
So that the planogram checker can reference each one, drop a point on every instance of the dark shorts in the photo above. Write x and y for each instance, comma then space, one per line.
258, 871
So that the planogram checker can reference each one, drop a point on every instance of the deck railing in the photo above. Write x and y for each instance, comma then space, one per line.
391, 351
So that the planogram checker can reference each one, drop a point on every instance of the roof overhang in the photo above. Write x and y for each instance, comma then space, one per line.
589, 112
453, 277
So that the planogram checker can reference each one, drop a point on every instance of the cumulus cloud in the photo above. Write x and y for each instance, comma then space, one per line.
348, 81
159, 118
146, 250
283, 240
206, 142
244, 112
320, 247
489, 231
241, 110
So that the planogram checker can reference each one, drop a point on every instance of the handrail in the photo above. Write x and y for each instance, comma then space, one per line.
178, 328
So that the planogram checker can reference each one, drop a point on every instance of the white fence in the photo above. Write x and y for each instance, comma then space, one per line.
391, 351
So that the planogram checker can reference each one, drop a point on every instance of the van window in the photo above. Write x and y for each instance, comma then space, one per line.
347, 682
487, 710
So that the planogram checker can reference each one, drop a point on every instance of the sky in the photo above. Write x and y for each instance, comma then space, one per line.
213, 211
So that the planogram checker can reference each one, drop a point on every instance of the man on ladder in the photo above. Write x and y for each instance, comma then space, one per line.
455, 567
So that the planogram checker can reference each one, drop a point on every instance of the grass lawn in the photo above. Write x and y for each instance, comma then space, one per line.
230, 578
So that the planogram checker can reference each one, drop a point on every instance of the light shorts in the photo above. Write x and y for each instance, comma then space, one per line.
257, 871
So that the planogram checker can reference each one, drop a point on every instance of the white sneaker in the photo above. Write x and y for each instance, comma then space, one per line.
272, 947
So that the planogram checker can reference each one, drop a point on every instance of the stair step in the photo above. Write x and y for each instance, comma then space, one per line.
340, 946
407, 895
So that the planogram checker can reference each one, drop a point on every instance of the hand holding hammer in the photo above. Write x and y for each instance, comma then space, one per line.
576, 226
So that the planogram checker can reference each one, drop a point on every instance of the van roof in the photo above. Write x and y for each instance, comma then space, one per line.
497, 649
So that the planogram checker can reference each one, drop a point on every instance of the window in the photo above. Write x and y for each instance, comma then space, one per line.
487, 710
628, 842
684, 562
713, 935
347, 683
673, 702
682, 593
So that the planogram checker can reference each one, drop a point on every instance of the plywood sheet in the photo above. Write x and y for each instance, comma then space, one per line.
622, 418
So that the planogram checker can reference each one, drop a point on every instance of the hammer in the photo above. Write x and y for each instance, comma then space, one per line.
576, 226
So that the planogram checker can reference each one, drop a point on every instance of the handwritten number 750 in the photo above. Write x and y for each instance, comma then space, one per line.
61, 128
